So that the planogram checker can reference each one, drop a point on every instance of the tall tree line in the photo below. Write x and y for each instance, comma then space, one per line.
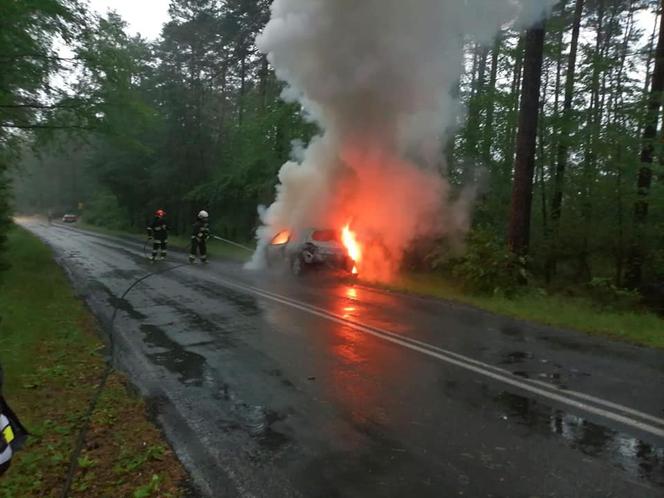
564, 119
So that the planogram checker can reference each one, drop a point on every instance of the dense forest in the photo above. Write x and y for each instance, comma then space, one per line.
120, 126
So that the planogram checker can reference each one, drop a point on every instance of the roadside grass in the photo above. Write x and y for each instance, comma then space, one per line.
574, 313
52, 358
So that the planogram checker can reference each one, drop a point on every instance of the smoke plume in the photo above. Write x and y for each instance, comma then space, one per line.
376, 76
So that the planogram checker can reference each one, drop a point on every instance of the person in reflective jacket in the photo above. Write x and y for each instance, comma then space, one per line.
12, 432
158, 233
199, 236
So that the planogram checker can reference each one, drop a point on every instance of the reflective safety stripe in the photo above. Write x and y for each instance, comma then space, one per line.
8, 434
6, 429
6, 455
6, 437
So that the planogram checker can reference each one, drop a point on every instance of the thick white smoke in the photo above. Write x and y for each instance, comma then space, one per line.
376, 75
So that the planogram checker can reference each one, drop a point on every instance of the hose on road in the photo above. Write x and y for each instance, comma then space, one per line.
73, 461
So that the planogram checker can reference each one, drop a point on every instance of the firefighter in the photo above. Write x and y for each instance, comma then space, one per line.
12, 433
158, 233
199, 236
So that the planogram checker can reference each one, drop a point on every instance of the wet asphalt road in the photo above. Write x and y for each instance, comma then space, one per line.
271, 387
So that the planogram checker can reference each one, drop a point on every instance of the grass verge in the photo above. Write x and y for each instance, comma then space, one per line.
52, 359
575, 313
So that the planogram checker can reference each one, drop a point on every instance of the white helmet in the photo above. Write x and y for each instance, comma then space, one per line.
203, 215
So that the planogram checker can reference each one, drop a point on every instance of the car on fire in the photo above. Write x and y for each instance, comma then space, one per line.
309, 249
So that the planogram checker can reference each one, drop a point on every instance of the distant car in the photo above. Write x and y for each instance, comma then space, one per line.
309, 249
70, 218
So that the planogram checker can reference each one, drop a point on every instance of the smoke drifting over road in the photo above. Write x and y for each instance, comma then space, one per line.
376, 75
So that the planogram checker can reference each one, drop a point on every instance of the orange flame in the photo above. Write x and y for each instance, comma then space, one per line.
349, 240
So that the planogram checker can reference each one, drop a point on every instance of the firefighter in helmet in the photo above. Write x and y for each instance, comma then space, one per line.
199, 237
158, 234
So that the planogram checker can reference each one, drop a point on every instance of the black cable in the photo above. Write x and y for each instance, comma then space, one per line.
73, 461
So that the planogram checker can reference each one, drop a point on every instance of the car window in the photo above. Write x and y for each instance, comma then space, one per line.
281, 238
325, 236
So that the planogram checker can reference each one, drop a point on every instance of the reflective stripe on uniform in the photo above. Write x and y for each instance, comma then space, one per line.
6, 455
6, 429
7, 436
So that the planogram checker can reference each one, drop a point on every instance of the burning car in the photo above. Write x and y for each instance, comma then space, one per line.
311, 249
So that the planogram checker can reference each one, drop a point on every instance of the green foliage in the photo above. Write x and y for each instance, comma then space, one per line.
152, 488
486, 266
605, 294
104, 210
27, 57
569, 312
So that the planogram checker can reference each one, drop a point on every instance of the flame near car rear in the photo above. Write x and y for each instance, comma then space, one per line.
349, 240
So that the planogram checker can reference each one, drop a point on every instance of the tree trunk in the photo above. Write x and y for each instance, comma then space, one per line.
522, 192
243, 87
474, 107
616, 121
512, 119
264, 73
553, 146
541, 151
639, 247
488, 127
593, 123
563, 141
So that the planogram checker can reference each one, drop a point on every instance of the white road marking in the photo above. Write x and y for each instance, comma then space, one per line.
536, 387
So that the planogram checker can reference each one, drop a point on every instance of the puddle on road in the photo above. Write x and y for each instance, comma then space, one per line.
187, 365
512, 331
258, 422
635, 457
126, 306
541, 369
516, 357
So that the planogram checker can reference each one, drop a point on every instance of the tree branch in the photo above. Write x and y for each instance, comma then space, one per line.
45, 127
53, 106
36, 56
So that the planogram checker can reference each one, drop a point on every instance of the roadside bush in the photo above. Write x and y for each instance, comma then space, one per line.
486, 266
605, 294
105, 211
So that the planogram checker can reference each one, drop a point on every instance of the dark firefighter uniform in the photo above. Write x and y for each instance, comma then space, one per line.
199, 236
12, 433
158, 233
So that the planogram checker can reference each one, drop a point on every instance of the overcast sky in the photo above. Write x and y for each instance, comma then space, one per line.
144, 16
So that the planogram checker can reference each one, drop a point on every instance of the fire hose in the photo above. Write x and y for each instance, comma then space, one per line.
249, 249
73, 461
